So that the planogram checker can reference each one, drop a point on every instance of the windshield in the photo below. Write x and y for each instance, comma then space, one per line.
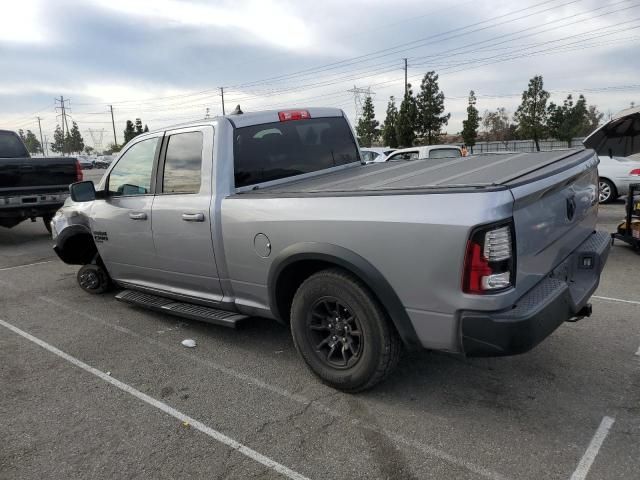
11, 146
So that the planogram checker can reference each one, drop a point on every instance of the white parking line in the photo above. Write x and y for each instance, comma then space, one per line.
610, 299
26, 265
427, 449
216, 435
582, 470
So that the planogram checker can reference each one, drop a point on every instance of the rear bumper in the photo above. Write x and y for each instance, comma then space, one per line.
561, 296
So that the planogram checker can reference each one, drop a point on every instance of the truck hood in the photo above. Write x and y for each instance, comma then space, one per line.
619, 137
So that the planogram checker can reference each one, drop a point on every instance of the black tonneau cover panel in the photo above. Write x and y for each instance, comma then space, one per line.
493, 171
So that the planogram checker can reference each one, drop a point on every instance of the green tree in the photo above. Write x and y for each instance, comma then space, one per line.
21, 135
58, 141
139, 129
389, 136
74, 138
406, 121
594, 117
569, 120
430, 102
367, 128
532, 112
32, 143
497, 126
471, 124
129, 131
112, 148
88, 150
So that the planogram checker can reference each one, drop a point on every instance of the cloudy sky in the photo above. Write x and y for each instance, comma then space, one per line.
164, 60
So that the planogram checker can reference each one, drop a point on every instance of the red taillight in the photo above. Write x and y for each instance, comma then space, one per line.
635, 171
489, 263
475, 268
288, 115
79, 176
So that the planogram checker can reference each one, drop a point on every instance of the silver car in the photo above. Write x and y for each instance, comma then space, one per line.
273, 215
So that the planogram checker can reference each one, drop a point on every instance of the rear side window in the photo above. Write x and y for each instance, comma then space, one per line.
445, 153
11, 146
404, 156
183, 163
284, 149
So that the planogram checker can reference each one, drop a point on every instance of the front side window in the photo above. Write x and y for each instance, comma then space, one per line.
183, 163
132, 174
283, 149
445, 153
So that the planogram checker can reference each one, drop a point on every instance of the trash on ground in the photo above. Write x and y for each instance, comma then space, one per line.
189, 343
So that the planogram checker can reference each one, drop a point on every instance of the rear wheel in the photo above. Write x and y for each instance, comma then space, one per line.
342, 332
93, 279
607, 191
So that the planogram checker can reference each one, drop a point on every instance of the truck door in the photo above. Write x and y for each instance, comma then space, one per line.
121, 222
181, 214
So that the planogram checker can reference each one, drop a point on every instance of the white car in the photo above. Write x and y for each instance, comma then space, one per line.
617, 144
429, 151
616, 174
375, 154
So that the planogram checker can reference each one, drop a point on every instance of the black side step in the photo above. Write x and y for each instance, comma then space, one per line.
181, 309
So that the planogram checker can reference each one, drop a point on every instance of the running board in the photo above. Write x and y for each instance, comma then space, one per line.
181, 309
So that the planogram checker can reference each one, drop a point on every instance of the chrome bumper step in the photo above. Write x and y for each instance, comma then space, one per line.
181, 309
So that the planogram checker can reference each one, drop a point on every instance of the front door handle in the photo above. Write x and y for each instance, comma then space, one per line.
138, 216
193, 217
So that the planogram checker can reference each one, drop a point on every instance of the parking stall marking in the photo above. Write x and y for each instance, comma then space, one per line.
301, 399
26, 265
620, 300
582, 470
216, 435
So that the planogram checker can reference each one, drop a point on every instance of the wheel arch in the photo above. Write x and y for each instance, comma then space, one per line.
75, 245
298, 262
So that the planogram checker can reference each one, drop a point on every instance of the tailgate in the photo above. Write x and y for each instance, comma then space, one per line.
26, 173
555, 210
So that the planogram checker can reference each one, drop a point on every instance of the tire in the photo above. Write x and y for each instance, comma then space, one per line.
333, 351
93, 279
46, 219
607, 192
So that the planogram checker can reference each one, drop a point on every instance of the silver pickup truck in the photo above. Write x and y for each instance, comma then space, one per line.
272, 215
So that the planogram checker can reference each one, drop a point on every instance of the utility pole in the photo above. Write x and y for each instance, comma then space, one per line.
405, 78
41, 139
64, 120
113, 124
46, 147
222, 93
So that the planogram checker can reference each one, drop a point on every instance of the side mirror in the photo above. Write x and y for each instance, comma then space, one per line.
82, 191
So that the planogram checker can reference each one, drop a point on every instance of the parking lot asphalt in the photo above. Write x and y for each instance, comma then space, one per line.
91, 387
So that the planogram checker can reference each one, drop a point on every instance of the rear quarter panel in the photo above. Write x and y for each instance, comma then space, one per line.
417, 242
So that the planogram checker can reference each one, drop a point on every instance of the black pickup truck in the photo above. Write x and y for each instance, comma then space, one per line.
32, 187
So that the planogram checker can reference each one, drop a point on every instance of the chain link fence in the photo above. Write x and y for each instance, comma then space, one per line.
525, 145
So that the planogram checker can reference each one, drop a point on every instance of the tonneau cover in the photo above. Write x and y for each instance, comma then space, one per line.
492, 171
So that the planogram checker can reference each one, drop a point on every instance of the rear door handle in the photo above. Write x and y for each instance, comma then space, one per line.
138, 216
193, 217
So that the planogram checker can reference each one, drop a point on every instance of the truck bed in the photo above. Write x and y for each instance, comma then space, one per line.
485, 172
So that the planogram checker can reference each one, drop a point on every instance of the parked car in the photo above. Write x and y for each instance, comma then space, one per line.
85, 162
375, 154
430, 151
32, 187
617, 143
273, 215
103, 161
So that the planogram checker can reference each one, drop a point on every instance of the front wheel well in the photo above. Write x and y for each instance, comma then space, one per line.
77, 249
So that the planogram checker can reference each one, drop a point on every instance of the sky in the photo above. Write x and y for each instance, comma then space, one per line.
164, 61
